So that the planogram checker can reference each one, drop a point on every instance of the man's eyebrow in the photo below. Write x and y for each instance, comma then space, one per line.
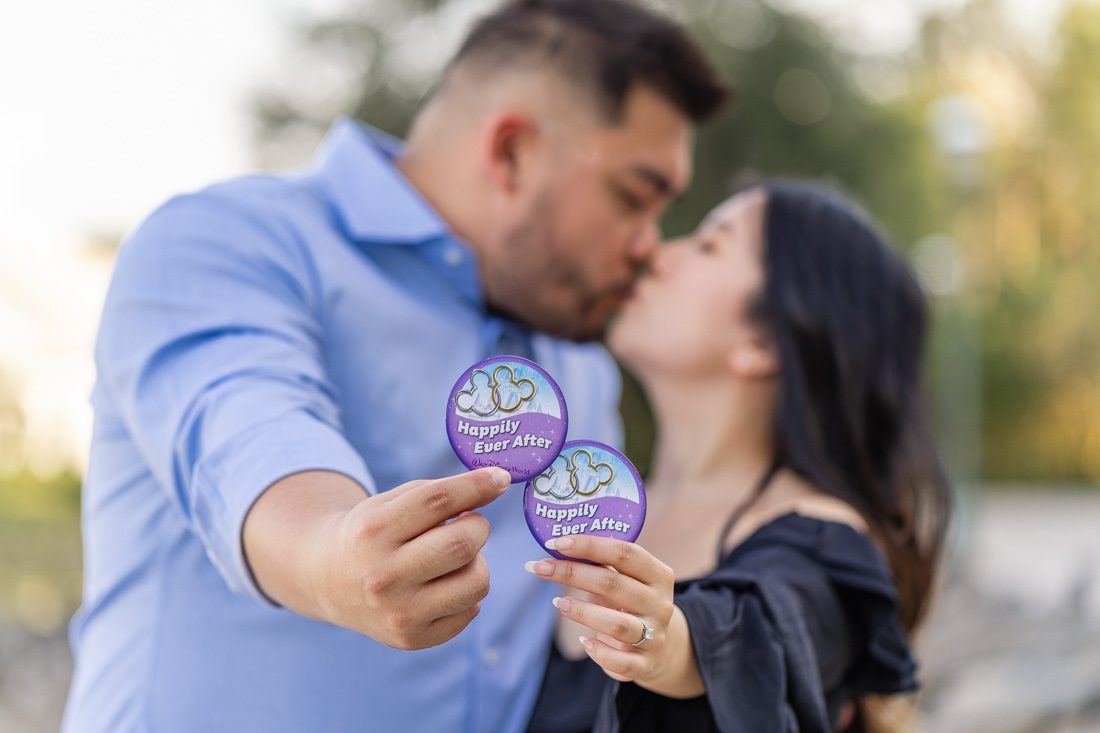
657, 179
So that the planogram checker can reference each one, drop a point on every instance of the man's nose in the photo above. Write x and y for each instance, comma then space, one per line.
646, 243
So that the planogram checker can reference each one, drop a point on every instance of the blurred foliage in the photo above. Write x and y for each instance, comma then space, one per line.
39, 548
39, 530
29, 498
40, 573
971, 138
1028, 227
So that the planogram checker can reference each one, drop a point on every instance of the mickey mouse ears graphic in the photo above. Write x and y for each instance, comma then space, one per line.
487, 394
573, 474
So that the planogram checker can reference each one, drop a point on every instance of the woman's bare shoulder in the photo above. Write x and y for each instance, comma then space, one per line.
790, 493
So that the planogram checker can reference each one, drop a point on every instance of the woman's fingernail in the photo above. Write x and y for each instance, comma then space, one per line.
559, 543
538, 567
562, 603
586, 642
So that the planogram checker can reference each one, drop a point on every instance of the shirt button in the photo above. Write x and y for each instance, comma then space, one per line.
490, 657
452, 257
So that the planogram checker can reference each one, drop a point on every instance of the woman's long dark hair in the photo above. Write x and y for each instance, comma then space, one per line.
849, 322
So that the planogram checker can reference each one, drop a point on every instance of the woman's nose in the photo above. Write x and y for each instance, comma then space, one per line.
665, 256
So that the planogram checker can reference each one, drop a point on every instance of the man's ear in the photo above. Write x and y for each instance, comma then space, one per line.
510, 137
755, 357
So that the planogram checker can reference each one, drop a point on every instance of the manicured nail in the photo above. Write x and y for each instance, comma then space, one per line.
538, 567
586, 642
559, 543
501, 478
562, 603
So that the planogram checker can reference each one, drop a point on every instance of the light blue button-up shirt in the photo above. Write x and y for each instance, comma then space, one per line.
261, 327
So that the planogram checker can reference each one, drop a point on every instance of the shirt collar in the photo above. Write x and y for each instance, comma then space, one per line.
373, 199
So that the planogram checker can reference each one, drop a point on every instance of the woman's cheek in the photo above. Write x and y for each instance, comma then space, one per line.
628, 337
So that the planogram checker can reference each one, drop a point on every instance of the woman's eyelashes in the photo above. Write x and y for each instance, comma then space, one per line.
706, 245
709, 236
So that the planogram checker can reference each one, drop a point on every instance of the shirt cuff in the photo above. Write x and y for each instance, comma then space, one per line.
227, 482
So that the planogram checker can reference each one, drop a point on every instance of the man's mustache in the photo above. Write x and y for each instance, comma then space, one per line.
642, 269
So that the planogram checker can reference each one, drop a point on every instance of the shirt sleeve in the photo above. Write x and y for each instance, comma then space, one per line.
759, 659
210, 346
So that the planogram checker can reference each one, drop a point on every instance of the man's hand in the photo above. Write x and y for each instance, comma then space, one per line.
390, 566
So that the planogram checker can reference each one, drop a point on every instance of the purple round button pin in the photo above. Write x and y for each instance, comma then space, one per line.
508, 412
591, 488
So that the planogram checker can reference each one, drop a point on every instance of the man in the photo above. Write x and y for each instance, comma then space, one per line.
266, 532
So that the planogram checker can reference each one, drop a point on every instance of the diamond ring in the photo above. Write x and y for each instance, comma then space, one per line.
647, 633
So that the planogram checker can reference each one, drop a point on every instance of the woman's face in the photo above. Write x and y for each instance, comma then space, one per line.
692, 314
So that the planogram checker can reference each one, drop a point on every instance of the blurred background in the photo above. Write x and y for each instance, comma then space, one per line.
969, 128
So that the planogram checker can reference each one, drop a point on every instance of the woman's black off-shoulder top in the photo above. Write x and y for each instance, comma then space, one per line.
794, 622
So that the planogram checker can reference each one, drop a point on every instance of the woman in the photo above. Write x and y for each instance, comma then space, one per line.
797, 508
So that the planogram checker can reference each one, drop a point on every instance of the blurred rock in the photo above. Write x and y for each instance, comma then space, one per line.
34, 678
992, 664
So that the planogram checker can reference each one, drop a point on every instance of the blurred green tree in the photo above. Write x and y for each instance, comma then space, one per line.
1042, 262
799, 109
1025, 227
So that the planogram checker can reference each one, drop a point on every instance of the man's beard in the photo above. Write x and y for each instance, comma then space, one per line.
532, 271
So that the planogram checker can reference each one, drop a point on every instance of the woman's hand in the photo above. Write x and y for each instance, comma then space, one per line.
633, 591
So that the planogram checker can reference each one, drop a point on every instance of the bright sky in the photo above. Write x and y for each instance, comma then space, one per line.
107, 108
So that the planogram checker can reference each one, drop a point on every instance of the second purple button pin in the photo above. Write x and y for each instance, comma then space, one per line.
591, 488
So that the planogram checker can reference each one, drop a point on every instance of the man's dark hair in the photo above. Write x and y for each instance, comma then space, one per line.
603, 46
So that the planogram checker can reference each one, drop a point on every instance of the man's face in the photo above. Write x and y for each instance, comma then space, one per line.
591, 220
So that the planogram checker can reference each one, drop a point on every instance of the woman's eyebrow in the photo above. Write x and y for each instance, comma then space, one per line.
713, 225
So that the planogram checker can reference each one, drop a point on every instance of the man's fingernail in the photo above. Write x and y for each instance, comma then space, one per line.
559, 543
538, 567
501, 478
562, 603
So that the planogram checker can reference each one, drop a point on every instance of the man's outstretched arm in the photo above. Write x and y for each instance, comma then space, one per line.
212, 352
390, 566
